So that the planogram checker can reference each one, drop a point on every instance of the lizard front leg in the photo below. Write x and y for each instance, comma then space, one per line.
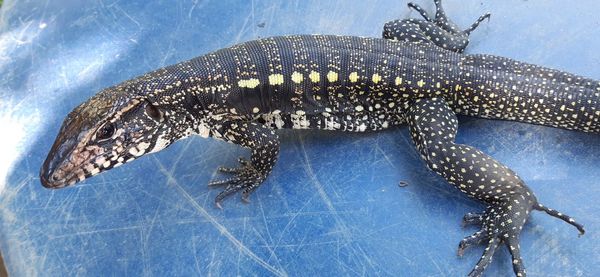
433, 126
264, 146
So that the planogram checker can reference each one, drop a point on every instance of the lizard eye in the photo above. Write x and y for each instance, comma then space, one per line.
106, 132
153, 112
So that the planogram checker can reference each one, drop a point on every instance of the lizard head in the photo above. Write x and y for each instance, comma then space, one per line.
113, 127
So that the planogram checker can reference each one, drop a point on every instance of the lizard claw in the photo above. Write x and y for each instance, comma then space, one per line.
246, 178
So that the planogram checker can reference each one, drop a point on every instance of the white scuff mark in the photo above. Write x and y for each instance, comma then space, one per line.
16, 129
16, 126
222, 229
23, 113
11, 40
76, 66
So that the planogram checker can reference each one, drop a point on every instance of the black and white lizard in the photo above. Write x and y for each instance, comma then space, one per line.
416, 75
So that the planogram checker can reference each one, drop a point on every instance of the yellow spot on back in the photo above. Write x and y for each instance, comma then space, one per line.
457, 88
297, 77
275, 79
353, 77
314, 76
398, 81
332, 76
376, 78
421, 83
249, 83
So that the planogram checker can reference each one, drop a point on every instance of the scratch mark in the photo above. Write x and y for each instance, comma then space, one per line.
128, 16
343, 229
196, 261
201, 211
378, 148
95, 231
271, 250
291, 220
314, 178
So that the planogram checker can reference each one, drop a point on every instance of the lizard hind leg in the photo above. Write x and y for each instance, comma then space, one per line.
433, 128
439, 30
445, 23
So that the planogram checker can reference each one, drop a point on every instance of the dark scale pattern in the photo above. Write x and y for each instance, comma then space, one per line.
416, 75
501, 88
333, 82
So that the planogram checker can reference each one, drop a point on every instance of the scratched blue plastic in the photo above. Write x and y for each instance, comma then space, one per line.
332, 205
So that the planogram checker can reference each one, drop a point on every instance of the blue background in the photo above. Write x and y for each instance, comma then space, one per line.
332, 205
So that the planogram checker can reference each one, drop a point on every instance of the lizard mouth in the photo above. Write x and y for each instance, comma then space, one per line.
68, 164
59, 173
54, 182
54, 170
55, 175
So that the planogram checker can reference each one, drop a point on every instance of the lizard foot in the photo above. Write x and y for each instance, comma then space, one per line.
438, 30
442, 21
246, 178
502, 224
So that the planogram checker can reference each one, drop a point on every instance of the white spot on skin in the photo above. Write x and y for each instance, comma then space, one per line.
160, 144
100, 161
275, 79
398, 81
314, 77
95, 171
362, 127
203, 131
297, 77
376, 78
353, 77
299, 121
133, 151
143, 146
250, 83
332, 76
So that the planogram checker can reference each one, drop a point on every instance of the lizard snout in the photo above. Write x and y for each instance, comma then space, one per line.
53, 173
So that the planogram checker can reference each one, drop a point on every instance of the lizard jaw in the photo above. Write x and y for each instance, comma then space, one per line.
68, 163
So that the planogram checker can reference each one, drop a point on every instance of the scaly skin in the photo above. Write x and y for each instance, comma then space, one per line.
416, 75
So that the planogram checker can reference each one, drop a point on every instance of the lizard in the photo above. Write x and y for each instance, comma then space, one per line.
416, 75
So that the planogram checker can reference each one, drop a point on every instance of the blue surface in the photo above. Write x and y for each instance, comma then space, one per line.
332, 205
